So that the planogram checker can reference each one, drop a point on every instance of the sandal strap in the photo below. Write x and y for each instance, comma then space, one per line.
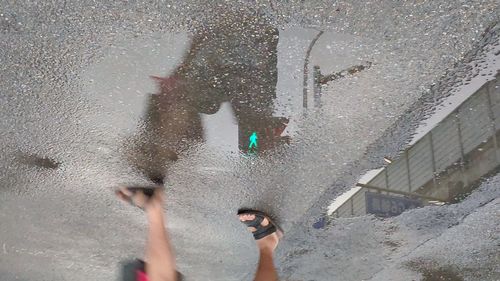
261, 231
255, 222
147, 191
264, 231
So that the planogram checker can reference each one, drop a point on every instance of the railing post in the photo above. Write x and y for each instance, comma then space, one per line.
460, 141
492, 121
386, 179
352, 206
431, 145
407, 160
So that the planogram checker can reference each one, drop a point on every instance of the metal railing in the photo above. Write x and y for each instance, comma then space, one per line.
473, 126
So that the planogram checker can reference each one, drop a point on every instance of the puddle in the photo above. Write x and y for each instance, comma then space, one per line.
278, 107
432, 273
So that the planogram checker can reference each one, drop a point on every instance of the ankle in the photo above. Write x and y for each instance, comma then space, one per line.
266, 251
154, 211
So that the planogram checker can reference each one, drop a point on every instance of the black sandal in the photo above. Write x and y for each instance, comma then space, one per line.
148, 191
261, 231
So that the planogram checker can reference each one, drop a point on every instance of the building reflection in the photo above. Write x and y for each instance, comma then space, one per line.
443, 166
231, 59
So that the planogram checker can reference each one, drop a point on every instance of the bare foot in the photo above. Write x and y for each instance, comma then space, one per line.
268, 243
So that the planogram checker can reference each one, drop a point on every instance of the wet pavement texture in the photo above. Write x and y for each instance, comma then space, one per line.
219, 102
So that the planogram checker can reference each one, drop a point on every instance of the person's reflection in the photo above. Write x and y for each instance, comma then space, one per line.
231, 59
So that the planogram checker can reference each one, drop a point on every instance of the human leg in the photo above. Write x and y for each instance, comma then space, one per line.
160, 260
266, 270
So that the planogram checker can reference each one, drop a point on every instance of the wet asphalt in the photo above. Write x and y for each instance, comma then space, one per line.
97, 95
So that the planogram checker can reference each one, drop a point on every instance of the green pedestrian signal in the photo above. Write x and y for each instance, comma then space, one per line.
253, 141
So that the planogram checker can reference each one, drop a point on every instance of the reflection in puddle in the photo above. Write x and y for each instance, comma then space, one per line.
431, 272
236, 83
225, 87
231, 61
444, 166
37, 161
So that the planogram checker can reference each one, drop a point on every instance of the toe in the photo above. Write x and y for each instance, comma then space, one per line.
121, 195
125, 191
264, 222
246, 217
250, 217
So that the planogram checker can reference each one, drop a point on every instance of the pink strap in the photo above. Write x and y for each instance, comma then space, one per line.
141, 276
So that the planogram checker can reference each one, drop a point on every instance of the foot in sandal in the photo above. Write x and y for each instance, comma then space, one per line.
266, 233
142, 197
